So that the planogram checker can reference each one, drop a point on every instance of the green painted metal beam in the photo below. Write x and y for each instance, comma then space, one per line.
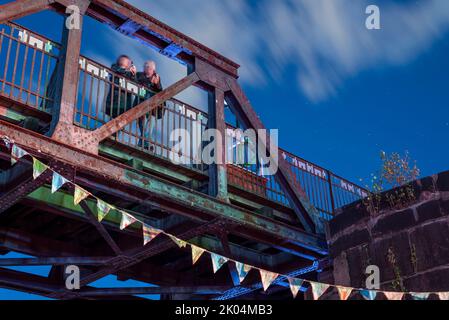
191, 202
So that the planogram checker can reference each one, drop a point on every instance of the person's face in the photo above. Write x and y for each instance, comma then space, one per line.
149, 68
124, 62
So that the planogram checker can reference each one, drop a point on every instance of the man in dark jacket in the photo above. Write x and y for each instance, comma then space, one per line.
152, 82
119, 100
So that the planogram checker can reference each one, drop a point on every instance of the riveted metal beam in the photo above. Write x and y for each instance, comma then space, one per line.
194, 203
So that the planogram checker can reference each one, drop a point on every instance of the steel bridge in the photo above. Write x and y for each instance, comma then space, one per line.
53, 103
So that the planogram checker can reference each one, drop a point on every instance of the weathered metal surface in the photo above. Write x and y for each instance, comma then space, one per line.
20, 8
193, 202
22, 190
62, 128
218, 184
145, 107
101, 229
75, 147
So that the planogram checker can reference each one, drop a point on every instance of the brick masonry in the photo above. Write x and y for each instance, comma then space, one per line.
414, 235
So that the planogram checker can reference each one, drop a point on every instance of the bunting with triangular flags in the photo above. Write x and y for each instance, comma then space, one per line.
127, 220
103, 209
179, 242
295, 285
391, 295
318, 289
242, 270
420, 295
344, 292
368, 294
149, 233
17, 153
38, 168
267, 278
197, 252
443, 295
79, 195
217, 261
57, 182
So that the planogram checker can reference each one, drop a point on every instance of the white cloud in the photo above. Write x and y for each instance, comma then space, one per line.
325, 41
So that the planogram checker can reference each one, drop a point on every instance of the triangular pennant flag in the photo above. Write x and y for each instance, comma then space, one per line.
267, 278
318, 289
179, 242
443, 295
344, 292
295, 285
149, 233
197, 252
127, 220
79, 195
368, 294
391, 295
57, 182
17, 153
242, 270
103, 209
7, 142
38, 168
217, 261
419, 295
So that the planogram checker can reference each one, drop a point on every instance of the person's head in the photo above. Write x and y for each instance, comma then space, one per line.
149, 67
124, 61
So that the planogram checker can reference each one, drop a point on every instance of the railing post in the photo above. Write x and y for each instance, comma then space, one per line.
331, 192
218, 180
66, 83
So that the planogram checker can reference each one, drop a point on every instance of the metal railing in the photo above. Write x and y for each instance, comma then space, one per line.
27, 69
27, 64
101, 92
325, 190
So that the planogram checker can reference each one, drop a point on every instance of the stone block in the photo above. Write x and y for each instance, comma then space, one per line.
432, 245
428, 211
443, 181
394, 222
348, 241
434, 280
351, 215
400, 247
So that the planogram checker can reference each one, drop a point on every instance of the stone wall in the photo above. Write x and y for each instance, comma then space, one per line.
409, 242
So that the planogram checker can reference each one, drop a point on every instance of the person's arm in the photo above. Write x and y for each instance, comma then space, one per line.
123, 72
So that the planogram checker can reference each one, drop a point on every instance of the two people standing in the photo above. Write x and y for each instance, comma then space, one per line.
120, 100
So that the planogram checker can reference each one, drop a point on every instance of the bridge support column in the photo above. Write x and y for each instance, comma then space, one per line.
66, 85
218, 181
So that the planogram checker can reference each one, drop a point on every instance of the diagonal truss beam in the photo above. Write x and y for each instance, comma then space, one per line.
21, 8
101, 229
143, 108
300, 202
22, 190
133, 257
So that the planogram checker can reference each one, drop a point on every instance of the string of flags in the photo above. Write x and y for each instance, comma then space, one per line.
149, 233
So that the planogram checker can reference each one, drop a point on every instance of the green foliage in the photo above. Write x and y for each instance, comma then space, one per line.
395, 174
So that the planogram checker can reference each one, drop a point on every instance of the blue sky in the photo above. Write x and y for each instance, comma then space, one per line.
337, 92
